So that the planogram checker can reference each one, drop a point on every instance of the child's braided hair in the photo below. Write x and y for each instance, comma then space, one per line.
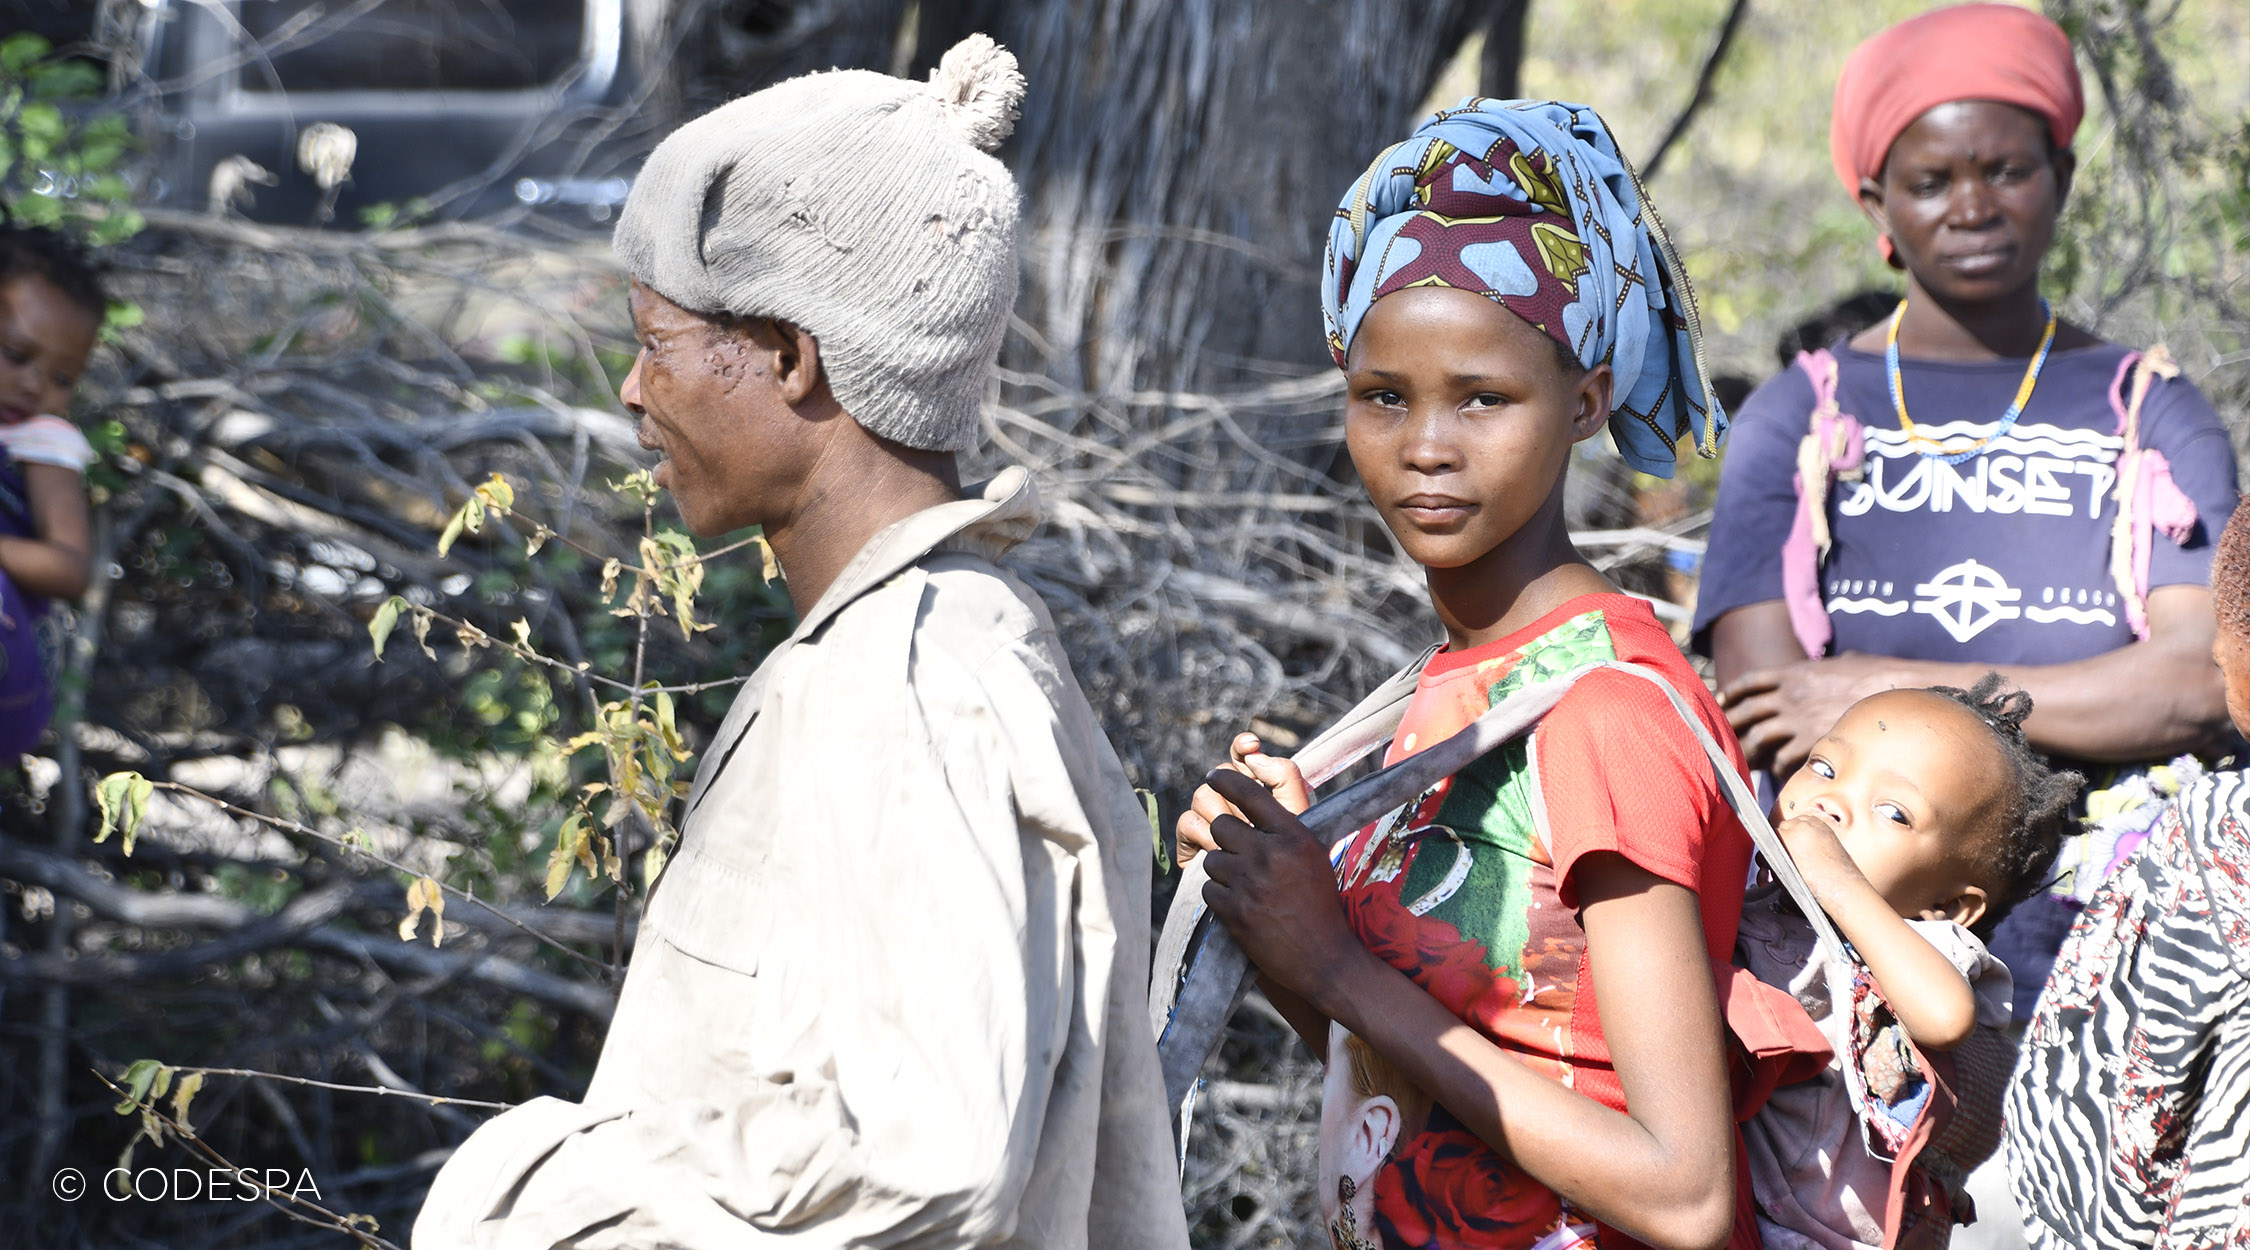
2020, 855
58, 258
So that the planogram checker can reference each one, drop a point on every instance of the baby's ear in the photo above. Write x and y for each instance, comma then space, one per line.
1964, 909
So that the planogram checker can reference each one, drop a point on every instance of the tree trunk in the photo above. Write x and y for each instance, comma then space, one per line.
1181, 161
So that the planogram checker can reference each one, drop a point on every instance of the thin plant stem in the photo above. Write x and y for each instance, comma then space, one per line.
378, 1090
291, 826
283, 1201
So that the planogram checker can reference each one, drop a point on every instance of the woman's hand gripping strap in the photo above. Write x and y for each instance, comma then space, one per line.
1200, 975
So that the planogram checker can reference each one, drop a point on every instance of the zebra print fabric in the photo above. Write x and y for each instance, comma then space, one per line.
2128, 1118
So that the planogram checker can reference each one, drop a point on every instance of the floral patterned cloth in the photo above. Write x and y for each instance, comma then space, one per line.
1469, 890
2128, 1118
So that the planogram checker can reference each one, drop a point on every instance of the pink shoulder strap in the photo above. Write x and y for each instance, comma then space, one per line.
1834, 445
2148, 500
1819, 364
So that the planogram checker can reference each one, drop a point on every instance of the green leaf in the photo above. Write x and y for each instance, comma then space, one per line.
136, 1081
566, 851
1155, 830
41, 123
109, 797
108, 128
122, 1174
453, 529
386, 616
123, 800
97, 156
497, 493
20, 52
65, 80
184, 1095
668, 726
423, 895
640, 484
37, 210
120, 225
137, 807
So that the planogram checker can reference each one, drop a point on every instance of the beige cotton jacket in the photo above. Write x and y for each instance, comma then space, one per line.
891, 991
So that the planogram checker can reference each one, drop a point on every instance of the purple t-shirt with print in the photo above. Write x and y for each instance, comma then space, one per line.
2001, 559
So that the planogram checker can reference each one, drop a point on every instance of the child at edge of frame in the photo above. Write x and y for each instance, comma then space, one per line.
1918, 822
2125, 1119
1518, 965
51, 310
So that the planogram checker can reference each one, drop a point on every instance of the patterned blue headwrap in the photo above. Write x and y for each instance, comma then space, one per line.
1530, 204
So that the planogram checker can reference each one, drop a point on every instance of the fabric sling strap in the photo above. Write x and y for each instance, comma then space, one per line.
1201, 975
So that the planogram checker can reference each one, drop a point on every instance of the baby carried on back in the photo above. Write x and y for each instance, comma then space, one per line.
1871, 1019
1919, 820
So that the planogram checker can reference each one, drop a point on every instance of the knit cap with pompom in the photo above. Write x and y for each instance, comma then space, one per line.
865, 209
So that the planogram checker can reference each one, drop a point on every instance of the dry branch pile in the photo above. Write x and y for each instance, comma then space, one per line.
293, 421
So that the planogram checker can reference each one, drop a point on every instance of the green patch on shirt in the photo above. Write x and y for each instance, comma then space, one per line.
1489, 806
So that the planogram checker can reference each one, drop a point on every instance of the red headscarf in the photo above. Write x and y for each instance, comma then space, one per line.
1973, 52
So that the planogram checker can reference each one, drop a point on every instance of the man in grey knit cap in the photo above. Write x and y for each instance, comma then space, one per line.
891, 989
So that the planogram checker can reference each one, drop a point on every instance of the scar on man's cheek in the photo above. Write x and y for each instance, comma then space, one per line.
1880, 725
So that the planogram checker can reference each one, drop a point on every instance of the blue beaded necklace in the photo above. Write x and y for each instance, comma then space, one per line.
1930, 448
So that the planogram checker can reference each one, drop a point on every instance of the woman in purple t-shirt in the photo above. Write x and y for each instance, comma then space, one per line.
1968, 473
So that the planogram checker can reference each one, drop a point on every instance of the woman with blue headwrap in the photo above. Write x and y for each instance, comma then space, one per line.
1530, 204
1498, 289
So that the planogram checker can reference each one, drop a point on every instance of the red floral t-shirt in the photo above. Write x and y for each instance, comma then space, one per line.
1469, 889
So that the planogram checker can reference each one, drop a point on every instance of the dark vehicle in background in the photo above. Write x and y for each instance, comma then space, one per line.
465, 106
334, 111
533, 110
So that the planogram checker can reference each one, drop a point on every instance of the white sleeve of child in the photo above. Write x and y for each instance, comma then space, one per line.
47, 440
1989, 979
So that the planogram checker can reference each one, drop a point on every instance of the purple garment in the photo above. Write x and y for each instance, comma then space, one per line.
2002, 559
2033, 512
27, 676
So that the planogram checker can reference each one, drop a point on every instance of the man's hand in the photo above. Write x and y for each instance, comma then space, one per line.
1779, 712
1272, 887
1246, 755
